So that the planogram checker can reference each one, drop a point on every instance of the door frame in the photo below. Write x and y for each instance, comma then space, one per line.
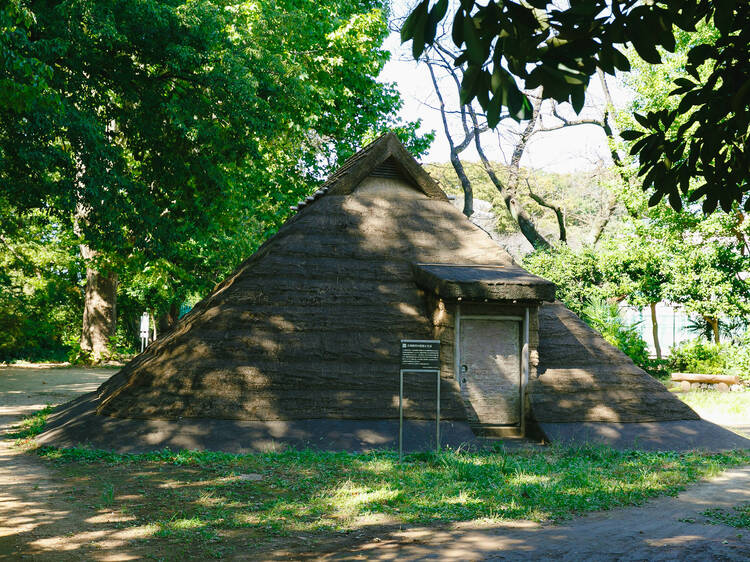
524, 374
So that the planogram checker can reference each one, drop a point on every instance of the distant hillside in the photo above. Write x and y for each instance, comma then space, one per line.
582, 196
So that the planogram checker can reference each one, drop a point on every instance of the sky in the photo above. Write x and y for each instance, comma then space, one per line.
573, 149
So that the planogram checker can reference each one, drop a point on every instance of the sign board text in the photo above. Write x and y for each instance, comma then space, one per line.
420, 355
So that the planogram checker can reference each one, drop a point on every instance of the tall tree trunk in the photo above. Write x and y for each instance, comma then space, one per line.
714, 323
655, 330
169, 319
99, 309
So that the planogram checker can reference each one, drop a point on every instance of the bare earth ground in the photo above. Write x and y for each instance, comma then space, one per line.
44, 518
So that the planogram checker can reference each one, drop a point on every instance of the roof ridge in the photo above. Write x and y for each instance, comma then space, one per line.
392, 148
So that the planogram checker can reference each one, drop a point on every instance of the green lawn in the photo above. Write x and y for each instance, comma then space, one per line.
204, 498
725, 408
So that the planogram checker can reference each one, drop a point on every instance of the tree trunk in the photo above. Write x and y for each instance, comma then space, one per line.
167, 321
602, 220
455, 150
465, 184
655, 330
99, 309
517, 212
714, 323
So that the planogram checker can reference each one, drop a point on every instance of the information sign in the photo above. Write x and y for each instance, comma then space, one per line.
420, 355
144, 330
144, 325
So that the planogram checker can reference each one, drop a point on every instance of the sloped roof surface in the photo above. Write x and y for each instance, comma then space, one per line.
309, 326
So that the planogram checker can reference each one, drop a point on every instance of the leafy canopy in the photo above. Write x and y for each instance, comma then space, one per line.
171, 136
539, 44
170, 115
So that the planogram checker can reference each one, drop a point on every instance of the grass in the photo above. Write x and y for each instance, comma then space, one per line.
738, 516
327, 491
203, 499
30, 427
727, 408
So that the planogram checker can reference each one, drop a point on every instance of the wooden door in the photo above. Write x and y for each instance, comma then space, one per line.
490, 369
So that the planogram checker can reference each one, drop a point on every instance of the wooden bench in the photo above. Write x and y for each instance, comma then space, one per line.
693, 380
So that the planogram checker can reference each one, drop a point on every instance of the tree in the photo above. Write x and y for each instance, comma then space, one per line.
171, 128
707, 273
40, 296
704, 256
558, 49
23, 77
465, 123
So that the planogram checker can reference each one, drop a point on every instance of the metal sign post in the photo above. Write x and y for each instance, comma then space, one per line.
418, 356
144, 330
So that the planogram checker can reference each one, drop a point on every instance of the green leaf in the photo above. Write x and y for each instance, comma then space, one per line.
418, 40
473, 42
655, 198
638, 146
497, 80
631, 135
643, 120
438, 12
621, 62
685, 83
578, 98
647, 50
723, 16
493, 111
413, 20
701, 53
468, 84
675, 201
458, 28
709, 205
739, 104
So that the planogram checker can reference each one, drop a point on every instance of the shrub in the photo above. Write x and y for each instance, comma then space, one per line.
697, 357
605, 318
713, 359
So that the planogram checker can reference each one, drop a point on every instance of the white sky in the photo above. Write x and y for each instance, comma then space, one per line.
567, 150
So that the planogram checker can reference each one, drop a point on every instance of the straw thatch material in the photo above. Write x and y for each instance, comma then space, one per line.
309, 326
581, 377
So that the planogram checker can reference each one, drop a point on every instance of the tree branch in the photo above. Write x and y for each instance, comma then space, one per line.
520, 147
519, 214
557, 210
468, 209
603, 220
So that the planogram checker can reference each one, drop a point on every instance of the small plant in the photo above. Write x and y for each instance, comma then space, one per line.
713, 359
108, 495
31, 426
738, 517
76, 355
697, 357
605, 318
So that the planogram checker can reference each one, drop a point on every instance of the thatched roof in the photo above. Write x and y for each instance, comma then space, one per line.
309, 326
581, 377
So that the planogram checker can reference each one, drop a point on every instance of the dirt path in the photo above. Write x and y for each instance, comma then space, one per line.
41, 519
660, 530
38, 518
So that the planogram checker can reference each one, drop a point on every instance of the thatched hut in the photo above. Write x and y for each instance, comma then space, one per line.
308, 328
